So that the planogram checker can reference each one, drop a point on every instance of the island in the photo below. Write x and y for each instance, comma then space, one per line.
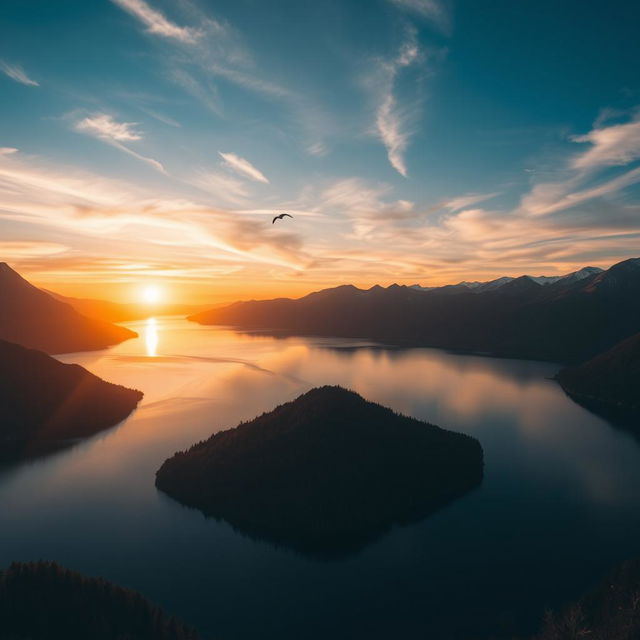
34, 319
608, 384
44, 601
46, 405
325, 473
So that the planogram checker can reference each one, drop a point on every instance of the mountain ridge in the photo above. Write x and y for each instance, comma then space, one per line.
568, 321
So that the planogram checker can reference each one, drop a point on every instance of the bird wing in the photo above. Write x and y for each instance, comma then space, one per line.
286, 214
274, 219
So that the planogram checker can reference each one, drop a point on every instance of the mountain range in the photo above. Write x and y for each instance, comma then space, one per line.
35, 319
569, 319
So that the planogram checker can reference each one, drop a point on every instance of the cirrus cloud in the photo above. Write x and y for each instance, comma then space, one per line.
243, 167
157, 23
17, 73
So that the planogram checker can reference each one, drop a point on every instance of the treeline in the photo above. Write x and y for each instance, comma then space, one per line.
44, 601
611, 612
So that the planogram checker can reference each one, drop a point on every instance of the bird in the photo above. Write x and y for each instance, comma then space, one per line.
282, 215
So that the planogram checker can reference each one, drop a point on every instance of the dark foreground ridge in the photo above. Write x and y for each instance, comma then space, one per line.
45, 404
326, 472
608, 384
610, 612
34, 319
44, 601
568, 320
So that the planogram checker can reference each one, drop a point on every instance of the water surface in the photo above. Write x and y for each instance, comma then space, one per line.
557, 507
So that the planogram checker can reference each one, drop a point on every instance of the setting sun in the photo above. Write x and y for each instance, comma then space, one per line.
151, 294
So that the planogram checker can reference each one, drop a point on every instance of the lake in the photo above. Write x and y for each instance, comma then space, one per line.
557, 507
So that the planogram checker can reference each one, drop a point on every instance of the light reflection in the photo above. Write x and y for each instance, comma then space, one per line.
151, 337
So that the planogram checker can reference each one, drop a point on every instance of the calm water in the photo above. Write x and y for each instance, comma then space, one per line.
558, 505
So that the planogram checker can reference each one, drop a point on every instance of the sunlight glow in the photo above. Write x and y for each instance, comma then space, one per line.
151, 294
151, 337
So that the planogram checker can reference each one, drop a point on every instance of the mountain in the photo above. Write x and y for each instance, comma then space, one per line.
117, 312
480, 287
609, 612
326, 472
608, 383
45, 404
35, 319
569, 320
44, 601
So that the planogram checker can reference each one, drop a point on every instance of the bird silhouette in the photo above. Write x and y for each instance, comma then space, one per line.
282, 215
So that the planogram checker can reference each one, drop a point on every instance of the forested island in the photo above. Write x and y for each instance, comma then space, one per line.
326, 472
45, 404
44, 601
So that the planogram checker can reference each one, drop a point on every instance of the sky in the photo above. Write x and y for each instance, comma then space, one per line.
413, 141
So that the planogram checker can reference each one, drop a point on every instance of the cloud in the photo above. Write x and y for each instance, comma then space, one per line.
161, 117
17, 73
243, 167
104, 127
106, 218
462, 202
157, 23
224, 187
393, 121
5, 151
550, 197
611, 146
432, 10
21, 249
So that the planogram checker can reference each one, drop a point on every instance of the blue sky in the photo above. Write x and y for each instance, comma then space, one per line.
413, 141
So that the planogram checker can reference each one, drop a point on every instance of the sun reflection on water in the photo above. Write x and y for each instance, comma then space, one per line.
151, 337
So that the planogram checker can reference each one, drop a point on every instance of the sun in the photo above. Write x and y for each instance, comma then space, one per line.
151, 294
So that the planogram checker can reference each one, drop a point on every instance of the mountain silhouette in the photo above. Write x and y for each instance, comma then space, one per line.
568, 320
325, 473
46, 405
33, 318
44, 601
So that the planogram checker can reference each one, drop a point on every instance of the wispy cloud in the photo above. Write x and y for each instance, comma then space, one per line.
157, 23
105, 217
161, 117
393, 120
5, 151
615, 145
225, 188
432, 10
462, 202
550, 197
17, 73
243, 167
104, 127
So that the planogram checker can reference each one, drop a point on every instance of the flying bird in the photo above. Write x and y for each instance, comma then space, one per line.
282, 215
